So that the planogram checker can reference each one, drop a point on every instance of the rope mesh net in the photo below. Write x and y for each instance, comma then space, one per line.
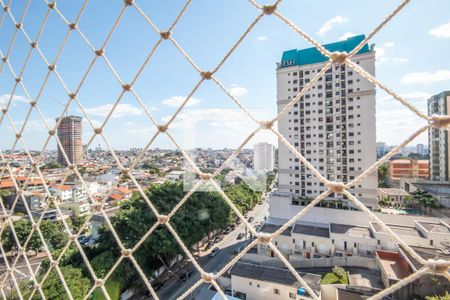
11, 273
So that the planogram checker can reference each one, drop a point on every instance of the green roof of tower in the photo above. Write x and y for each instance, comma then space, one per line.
311, 55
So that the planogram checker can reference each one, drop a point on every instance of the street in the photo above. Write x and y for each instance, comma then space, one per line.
173, 288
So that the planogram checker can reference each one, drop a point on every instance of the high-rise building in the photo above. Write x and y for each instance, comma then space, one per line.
438, 139
263, 157
420, 149
381, 149
69, 133
332, 125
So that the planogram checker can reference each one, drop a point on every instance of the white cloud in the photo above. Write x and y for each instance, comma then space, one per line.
129, 123
95, 123
410, 96
4, 99
237, 91
426, 77
330, 24
262, 38
176, 101
122, 110
388, 44
399, 59
346, 35
442, 31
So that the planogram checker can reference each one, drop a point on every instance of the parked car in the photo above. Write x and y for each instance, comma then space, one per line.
214, 252
217, 239
227, 230
251, 219
209, 245
188, 273
228, 292
240, 235
239, 222
233, 226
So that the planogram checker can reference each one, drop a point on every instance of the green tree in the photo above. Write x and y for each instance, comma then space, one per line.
383, 176
439, 297
78, 284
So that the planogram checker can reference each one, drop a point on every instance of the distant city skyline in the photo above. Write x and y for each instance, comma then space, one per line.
247, 74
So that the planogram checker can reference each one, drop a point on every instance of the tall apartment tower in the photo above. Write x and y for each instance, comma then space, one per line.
332, 126
263, 157
438, 139
69, 133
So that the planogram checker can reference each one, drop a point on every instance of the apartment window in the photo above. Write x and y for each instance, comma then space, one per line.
293, 241
258, 285
312, 244
250, 283
378, 242
431, 242
276, 291
292, 295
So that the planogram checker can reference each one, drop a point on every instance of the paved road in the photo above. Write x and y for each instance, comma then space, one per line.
174, 288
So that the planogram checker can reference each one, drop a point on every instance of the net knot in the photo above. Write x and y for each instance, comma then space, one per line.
9, 270
99, 52
72, 26
72, 95
206, 74
438, 266
98, 130
51, 132
4, 59
126, 87
18, 79
52, 5
6, 8
266, 124
129, 2
338, 57
37, 286
18, 135
51, 67
72, 167
19, 25
99, 282
21, 249
33, 103
125, 171
269, 9
336, 187
126, 252
165, 34
206, 176
4, 110
33, 44
162, 128
53, 263
163, 219
207, 277
34, 225
440, 121
264, 238
72, 237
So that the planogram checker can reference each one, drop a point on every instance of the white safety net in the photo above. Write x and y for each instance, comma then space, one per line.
264, 11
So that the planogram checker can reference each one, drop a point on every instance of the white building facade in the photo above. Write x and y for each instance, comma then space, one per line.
263, 157
438, 139
332, 125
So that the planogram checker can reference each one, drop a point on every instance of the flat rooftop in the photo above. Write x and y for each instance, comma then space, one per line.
434, 227
399, 229
314, 230
393, 264
358, 231
271, 274
271, 228
393, 192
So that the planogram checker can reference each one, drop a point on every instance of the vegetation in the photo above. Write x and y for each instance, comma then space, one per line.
338, 276
52, 165
438, 297
113, 287
383, 176
151, 168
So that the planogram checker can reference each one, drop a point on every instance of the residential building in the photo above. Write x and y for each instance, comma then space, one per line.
263, 157
394, 197
69, 134
332, 125
258, 282
33, 200
408, 168
420, 149
381, 149
438, 139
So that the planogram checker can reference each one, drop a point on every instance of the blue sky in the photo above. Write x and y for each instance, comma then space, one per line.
412, 59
